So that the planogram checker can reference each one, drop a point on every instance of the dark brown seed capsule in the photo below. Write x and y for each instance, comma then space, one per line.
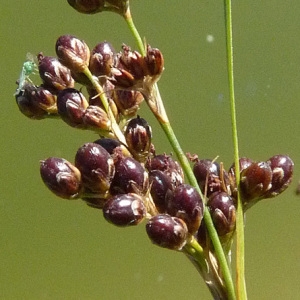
28, 108
133, 62
204, 167
87, 6
255, 181
223, 212
102, 59
53, 73
44, 99
128, 102
96, 167
244, 162
36, 102
124, 210
168, 165
94, 6
282, 172
130, 177
161, 185
207, 174
96, 118
138, 136
71, 106
61, 177
122, 78
167, 232
186, 204
154, 61
73, 53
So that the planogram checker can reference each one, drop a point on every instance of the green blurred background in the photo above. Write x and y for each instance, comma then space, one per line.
56, 249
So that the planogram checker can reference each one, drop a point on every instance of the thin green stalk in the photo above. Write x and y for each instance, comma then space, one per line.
193, 249
134, 32
240, 243
196, 255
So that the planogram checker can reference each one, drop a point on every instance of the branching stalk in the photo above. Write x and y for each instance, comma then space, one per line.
115, 127
166, 126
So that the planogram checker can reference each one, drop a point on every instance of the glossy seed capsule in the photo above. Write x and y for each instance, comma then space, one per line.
96, 167
87, 7
161, 185
29, 109
116, 6
138, 135
282, 172
71, 106
53, 73
73, 53
223, 212
36, 102
244, 163
130, 176
168, 165
61, 177
124, 210
167, 232
102, 59
255, 181
207, 174
186, 204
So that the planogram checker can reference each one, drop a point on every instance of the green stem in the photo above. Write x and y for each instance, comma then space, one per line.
128, 18
201, 261
193, 249
240, 244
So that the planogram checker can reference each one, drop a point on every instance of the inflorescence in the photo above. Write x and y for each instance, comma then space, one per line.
120, 173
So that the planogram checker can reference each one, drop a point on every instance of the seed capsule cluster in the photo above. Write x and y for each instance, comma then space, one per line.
122, 76
120, 173
259, 180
